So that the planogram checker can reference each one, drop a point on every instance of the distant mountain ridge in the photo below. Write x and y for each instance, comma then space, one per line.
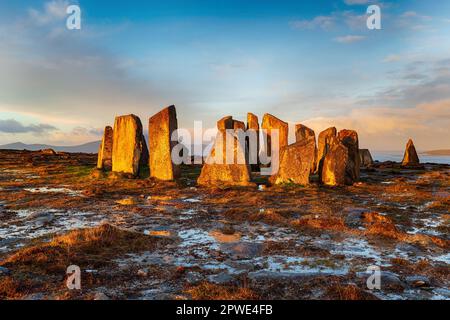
91, 147
443, 152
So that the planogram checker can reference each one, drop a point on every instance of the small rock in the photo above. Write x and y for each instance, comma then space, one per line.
221, 278
418, 281
142, 273
101, 296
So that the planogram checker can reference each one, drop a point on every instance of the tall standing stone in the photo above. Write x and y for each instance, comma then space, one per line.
303, 133
226, 123
365, 157
324, 140
238, 125
105, 151
333, 166
161, 127
296, 163
220, 173
127, 145
349, 138
270, 123
253, 125
410, 158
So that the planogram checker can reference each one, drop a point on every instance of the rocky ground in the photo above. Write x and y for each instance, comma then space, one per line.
143, 239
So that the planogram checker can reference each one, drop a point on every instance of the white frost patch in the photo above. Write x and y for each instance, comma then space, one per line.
192, 200
53, 190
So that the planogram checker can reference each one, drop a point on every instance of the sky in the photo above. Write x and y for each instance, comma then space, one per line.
304, 61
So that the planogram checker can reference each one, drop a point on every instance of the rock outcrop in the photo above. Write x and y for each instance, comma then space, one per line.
303, 133
270, 123
104, 161
365, 158
349, 138
216, 172
127, 145
333, 166
161, 127
296, 163
410, 158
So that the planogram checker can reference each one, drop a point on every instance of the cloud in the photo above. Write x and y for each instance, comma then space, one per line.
392, 58
319, 22
356, 2
387, 128
14, 126
53, 11
349, 39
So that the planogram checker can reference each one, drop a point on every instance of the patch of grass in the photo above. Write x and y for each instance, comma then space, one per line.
338, 291
79, 171
209, 291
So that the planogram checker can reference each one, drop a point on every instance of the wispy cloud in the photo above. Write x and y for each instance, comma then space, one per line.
349, 39
319, 22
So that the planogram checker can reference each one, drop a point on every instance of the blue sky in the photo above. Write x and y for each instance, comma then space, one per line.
313, 62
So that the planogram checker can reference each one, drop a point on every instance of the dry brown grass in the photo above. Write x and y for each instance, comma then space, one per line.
92, 247
209, 291
338, 291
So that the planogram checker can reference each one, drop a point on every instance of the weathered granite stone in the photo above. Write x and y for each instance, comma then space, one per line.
127, 145
324, 142
349, 138
296, 163
105, 151
161, 127
303, 133
410, 158
253, 125
365, 158
226, 123
270, 123
333, 166
217, 172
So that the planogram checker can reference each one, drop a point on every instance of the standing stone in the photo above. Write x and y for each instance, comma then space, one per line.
296, 163
410, 158
349, 138
303, 133
324, 142
226, 123
253, 125
269, 123
161, 126
223, 174
238, 125
365, 157
145, 154
127, 145
333, 166
105, 151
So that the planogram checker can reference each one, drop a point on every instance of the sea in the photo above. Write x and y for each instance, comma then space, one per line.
397, 156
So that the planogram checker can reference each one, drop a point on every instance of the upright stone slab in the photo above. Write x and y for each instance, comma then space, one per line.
303, 133
226, 123
296, 163
365, 158
349, 138
410, 158
104, 161
270, 123
215, 174
127, 145
253, 125
324, 142
333, 166
238, 125
161, 126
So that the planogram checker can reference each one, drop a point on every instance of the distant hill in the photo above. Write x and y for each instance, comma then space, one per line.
444, 152
91, 147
